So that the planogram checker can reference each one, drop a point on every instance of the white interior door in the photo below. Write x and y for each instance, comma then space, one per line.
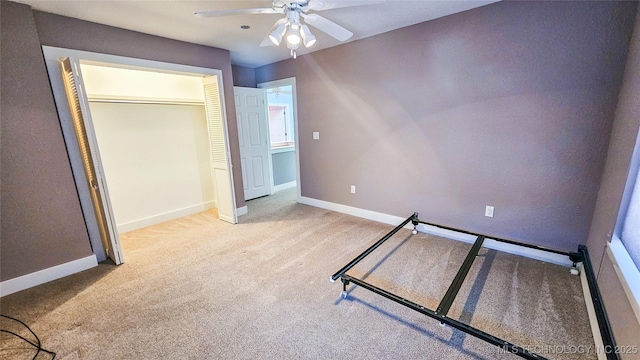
220, 155
88, 145
253, 134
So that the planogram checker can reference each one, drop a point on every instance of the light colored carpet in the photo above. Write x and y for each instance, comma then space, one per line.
199, 288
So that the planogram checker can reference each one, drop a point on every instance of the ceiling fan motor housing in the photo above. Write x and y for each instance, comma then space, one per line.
293, 15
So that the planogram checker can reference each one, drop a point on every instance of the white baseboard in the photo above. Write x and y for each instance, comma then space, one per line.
285, 186
166, 216
350, 210
242, 210
395, 220
43, 276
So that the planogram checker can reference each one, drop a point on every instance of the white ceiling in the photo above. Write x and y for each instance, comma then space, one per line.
175, 20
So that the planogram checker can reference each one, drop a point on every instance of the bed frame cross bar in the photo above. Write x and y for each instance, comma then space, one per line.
452, 292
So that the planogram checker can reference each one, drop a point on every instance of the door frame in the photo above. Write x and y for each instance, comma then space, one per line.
278, 83
51, 57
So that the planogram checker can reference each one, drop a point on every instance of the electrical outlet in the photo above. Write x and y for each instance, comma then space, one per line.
316, 135
488, 211
353, 189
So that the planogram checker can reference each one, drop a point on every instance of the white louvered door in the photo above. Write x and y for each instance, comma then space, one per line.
81, 117
220, 159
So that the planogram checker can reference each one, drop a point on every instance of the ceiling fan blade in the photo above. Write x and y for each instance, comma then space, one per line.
318, 5
215, 13
327, 26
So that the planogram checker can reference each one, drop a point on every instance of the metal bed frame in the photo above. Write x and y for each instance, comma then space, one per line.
440, 313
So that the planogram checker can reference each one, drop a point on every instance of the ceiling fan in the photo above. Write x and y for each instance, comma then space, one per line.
295, 12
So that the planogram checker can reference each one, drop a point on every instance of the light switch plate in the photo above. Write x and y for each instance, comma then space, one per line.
488, 211
316, 135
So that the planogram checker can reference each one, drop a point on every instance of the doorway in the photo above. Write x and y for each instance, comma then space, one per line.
216, 150
283, 130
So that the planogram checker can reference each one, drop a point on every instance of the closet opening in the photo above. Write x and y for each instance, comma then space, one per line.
155, 135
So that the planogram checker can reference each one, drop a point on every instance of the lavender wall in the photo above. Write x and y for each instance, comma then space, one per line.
280, 70
243, 76
60, 31
507, 105
42, 223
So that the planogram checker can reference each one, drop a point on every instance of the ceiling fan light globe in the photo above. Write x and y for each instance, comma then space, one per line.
310, 42
293, 38
275, 40
308, 39
277, 33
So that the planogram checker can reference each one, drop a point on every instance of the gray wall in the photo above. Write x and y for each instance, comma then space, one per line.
621, 147
42, 224
507, 105
280, 70
284, 167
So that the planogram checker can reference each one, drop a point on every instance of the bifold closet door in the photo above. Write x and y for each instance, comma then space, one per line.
220, 156
81, 117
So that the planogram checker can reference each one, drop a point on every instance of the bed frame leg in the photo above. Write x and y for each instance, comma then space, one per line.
344, 293
575, 258
415, 221
574, 270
